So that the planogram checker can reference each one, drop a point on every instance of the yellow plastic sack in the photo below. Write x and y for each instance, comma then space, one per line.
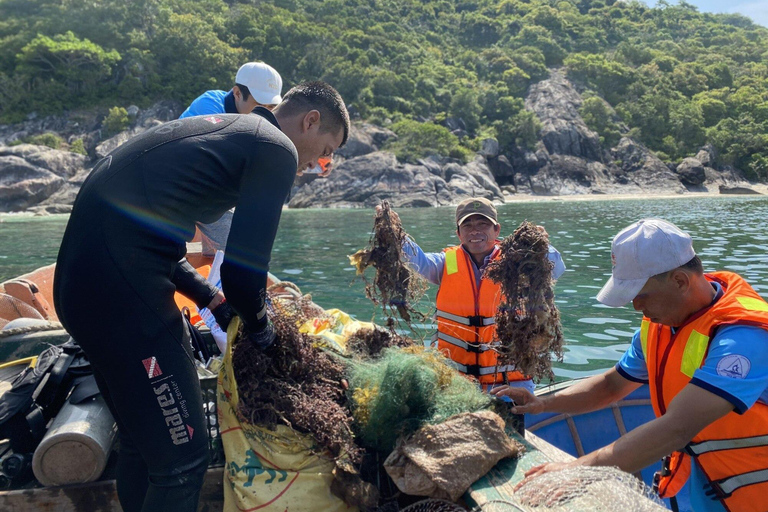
334, 332
269, 470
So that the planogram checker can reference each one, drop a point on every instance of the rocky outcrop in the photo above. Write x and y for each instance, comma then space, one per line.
364, 138
691, 172
637, 167
31, 174
366, 180
146, 119
563, 131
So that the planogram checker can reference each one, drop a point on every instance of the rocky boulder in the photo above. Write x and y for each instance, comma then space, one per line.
639, 166
23, 185
366, 180
691, 172
64, 164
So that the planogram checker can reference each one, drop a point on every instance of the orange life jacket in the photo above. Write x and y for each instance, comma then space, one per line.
184, 302
466, 326
732, 452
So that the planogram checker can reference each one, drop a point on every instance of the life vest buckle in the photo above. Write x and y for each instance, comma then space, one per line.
473, 369
476, 320
716, 490
665, 471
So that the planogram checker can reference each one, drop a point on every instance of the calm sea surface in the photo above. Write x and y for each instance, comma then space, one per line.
312, 247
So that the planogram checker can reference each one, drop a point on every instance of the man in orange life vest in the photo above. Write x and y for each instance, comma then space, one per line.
466, 301
703, 349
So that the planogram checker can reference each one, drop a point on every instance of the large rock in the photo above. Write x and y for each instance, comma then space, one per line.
502, 170
159, 113
569, 175
639, 166
61, 163
691, 172
364, 138
23, 185
367, 180
563, 131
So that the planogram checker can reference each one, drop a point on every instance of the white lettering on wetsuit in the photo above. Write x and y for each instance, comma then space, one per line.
177, 430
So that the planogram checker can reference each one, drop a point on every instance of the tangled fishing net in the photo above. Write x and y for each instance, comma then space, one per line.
396, 286
403, 390
597, 489
527, 322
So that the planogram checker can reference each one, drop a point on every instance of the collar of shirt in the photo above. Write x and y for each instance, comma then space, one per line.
229, 103
268, 115
479, 271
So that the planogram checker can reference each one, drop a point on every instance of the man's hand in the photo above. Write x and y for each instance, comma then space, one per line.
263, 338
525, 401
392, 212
223, 313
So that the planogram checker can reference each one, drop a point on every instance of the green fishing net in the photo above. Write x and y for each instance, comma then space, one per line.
402, 390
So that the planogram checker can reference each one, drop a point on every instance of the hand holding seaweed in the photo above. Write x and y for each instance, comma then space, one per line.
527, 322
395, 286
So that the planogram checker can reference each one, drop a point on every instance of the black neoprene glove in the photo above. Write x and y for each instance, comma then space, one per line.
263, 338
223, 313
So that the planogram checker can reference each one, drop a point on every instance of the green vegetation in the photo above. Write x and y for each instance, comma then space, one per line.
674, 77
116, 121
78, 146
44, 139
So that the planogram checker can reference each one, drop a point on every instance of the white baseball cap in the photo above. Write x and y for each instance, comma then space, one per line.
262, 81
646, 248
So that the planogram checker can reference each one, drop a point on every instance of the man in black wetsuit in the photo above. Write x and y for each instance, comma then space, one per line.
119, 266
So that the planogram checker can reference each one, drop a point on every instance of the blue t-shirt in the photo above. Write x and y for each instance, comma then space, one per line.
211, 102
736, 369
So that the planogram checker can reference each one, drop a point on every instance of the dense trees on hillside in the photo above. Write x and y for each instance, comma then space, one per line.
670, 76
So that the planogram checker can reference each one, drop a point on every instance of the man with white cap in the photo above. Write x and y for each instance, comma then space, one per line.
703, 349
256, 85
466, 300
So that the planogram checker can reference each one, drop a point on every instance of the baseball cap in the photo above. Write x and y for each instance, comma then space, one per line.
475, 206
646, 248
263, 82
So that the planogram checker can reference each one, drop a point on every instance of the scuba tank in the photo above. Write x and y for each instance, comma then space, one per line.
77, 445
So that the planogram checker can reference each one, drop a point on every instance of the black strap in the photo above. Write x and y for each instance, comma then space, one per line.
47, 390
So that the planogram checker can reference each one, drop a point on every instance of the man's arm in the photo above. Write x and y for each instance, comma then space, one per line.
555, 257
192, 285
428, 264
689, 412
254, 226
587, 395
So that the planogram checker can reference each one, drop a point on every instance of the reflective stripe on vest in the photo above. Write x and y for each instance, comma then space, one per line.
467, 320
451, 262
728, 485
726, 444
693, 354
472, 347
753, 304
482, 370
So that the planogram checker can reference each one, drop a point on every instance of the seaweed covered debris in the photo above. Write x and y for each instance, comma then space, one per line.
369, 343
527, 322
396, 286
295, 384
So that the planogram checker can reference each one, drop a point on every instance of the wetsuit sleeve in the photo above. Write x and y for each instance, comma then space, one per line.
263, 191
736, 366
192, 285
632, 365
430, 265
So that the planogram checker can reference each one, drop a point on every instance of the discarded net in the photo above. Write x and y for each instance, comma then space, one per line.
395, 286
597, 489
527, 322
405, 389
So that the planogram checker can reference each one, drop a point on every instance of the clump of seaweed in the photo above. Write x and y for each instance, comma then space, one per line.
369, 343
293, 383
527, 322
396, 286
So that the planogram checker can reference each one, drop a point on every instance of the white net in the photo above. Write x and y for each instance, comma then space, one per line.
593, 489
432, 505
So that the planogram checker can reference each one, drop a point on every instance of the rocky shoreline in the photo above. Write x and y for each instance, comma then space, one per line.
568, 161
